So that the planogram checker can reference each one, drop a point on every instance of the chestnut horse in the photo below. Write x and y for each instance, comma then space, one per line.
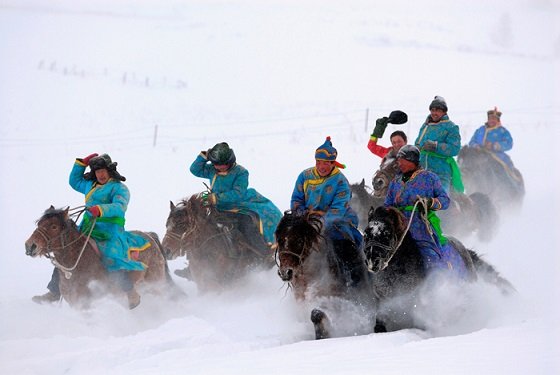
311, 266
78, 260
399, 270
216, 250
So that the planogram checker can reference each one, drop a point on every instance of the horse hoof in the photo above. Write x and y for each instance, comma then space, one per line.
133, 299
320, 321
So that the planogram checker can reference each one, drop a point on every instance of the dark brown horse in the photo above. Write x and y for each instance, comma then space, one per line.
467, 214
394, 257
485, 173
217, 252
315, 271
78, 261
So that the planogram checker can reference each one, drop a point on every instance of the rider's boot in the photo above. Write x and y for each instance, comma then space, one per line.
48, 297
133, 298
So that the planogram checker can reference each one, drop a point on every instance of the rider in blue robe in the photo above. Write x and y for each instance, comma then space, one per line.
325, 191
494, 137
404, 192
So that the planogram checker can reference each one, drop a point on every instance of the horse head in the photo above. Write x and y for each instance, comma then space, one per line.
49, 235
383, 177
297, 234
178, 225
386, 226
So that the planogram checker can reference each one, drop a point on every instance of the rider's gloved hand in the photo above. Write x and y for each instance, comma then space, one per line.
429, 146
95, 211
208, 199
88, 158
380, 126
424, 205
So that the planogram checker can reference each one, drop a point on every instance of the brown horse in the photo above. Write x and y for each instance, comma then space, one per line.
314, 269
78, 260
217, 252
467, 214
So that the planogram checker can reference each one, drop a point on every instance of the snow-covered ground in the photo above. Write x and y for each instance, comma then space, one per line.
154, 82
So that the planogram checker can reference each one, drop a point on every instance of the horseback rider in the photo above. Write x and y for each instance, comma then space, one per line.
325, 191
106, 199
419, 193
439, 141
256, 216
494, 137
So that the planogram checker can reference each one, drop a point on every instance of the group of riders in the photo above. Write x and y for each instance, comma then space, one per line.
428, 174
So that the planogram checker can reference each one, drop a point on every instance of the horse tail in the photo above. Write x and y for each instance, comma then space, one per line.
487, 215
489, 274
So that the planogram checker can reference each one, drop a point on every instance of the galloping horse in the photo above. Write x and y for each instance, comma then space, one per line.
309, 263
393, 256
474, 213
217, 252
484, 172
78, 260
361, 202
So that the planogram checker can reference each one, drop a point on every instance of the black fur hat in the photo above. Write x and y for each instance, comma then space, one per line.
103, 161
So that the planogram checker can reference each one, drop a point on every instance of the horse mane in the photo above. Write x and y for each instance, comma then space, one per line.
58, 213
300, 224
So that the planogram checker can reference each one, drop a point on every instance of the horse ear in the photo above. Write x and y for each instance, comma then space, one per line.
171, 205
66, 212
51, 207
363, 183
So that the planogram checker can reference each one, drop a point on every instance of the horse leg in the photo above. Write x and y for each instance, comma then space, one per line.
321, 324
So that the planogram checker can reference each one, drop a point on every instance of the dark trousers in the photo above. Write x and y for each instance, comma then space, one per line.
250, 231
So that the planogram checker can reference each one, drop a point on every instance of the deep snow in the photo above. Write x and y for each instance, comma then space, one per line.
154, 82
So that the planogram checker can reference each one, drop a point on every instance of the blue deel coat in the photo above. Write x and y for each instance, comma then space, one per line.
403, 195
499, 139
115, 244
231, 193
330, 197
448, 139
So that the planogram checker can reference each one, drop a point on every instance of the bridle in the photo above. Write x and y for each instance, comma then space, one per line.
50, 250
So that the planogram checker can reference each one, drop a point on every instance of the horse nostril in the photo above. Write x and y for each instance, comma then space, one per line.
30, 249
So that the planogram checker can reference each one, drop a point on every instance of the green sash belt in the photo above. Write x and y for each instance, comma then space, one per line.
456, 180
434, 219
100, 235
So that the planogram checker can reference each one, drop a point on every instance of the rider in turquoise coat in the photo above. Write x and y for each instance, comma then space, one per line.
439, 141
229, 183
106, 201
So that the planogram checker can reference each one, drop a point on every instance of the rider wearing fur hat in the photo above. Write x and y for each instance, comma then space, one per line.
325, 191
106, 200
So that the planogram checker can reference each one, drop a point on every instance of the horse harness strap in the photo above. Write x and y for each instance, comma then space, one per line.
67, 270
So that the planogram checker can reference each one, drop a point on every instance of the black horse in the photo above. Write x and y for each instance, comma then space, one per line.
467, 214
326, 272
484, 172
399, 272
